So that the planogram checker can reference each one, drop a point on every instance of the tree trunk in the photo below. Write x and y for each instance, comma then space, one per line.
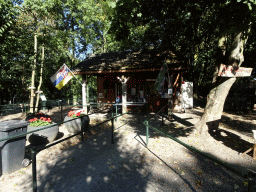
214, 106
221, 85
40, 81
32, 94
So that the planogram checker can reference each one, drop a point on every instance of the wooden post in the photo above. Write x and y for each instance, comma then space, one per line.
176, 85
170, 98
124, 97
124, 80
84, 94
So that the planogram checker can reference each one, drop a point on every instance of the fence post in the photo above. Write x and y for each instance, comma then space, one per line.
44, 106
147, 133
61, 112
116, 112
112, 131
34, 176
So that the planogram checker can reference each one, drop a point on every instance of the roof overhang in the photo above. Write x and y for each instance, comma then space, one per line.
128, 62
125, 71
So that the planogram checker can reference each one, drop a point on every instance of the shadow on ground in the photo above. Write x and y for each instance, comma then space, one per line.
98, 165
232, 141
177, 127
244, 126
93, 165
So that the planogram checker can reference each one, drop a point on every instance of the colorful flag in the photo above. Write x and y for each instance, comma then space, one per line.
61, 77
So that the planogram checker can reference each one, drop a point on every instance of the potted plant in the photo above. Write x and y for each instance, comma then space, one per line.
44, 136
37, 115
76, 120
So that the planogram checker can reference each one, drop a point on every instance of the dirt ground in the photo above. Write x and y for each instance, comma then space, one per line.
234, 139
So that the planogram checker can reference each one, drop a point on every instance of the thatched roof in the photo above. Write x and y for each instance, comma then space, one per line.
128, 61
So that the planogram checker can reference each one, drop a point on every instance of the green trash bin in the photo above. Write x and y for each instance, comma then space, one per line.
12, 152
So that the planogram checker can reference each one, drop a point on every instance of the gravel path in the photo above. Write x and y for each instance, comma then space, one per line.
128, 165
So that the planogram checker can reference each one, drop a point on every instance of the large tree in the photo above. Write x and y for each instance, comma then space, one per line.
234, 30
208, 33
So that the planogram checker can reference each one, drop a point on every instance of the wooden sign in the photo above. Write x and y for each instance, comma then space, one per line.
43, 98
229, 71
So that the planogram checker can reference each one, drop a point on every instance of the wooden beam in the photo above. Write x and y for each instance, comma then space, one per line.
176, 81
84, 94
123, 71
170, 97
124, 80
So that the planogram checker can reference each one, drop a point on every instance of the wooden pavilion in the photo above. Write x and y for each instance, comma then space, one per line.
131, 76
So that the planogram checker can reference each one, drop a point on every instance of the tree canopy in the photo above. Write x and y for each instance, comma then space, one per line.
196, 31
66, 29
191, 30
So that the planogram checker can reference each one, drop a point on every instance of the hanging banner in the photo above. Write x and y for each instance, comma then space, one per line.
229, 71
161, 77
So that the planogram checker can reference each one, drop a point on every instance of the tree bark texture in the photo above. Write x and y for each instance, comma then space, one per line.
32, 94
214, 106
221, 85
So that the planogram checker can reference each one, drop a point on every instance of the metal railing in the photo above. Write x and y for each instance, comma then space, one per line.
36, 149
51, 104
12, 108
250, 175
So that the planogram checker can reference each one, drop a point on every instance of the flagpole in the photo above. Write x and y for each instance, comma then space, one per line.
73, 75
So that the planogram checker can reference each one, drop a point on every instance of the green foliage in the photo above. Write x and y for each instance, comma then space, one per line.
190, 29
7, 15
66, 28
92, 89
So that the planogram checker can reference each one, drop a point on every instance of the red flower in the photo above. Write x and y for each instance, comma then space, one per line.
71, 113
40, 121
